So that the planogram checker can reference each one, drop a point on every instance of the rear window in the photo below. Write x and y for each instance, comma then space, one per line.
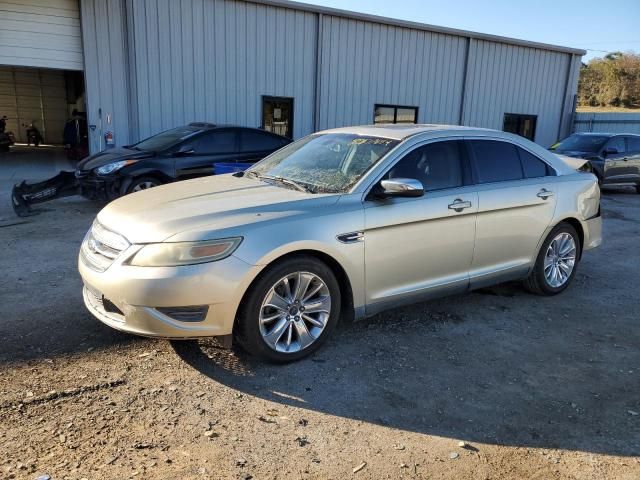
633, 144
496, 161
533, 167
256, 141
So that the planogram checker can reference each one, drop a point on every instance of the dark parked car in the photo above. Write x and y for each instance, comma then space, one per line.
177, 154
614, 158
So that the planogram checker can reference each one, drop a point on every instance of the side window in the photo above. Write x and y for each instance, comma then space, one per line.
215, 142
496, 161
633, 144
617, 143
255, 141
533, 167
437, 165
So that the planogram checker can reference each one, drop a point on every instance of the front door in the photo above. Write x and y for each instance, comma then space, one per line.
633, 157
616, 163
422, 247
517, 198
277, 115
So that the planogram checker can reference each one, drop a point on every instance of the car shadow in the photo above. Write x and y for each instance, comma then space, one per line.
494, 366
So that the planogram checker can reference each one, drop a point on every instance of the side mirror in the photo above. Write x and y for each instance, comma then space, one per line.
185, 150
609, 151
401, 187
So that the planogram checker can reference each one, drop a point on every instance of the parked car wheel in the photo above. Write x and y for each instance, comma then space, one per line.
637, 188
290, 311
556, 263
143, 183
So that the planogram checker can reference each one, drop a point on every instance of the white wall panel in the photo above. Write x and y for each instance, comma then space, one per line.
212, 60
106, 70
363, 64
513, 79
156, 64
41, 33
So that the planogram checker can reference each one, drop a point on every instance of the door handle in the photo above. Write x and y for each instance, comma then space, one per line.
458, 205
544, 194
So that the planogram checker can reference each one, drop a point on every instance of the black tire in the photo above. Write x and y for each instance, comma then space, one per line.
140, 182
536, 282
247, 331
638, 188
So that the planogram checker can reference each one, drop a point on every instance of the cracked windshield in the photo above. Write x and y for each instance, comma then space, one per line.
329, 163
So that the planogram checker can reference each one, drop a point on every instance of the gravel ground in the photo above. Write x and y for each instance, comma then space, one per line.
536, 388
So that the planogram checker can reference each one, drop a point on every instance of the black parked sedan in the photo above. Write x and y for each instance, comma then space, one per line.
614, 158
177, 154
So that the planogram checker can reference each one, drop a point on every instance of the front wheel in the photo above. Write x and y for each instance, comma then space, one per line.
143, 183
556, 263
290, 311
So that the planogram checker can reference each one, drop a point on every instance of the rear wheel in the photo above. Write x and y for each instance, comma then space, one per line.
556, 263
290, 311
638, 188
143, 183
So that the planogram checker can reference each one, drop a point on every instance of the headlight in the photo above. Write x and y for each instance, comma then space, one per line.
184, 253
113, 167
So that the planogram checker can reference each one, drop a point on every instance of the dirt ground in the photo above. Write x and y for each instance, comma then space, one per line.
537, 388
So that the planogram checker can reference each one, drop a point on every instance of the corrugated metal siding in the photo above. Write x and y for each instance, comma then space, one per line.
511, 79
34, 95
106, 70
41, 33
363, 64
607, 122
212, 60
155, 64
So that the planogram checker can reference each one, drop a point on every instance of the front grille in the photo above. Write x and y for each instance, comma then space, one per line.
101, 247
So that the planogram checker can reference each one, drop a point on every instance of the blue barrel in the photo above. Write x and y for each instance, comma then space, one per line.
228, 167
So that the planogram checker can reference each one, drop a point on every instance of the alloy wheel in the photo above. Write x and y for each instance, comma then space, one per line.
560, 259
143, 186
294, 312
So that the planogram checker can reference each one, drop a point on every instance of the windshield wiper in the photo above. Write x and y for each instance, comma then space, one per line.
292, 183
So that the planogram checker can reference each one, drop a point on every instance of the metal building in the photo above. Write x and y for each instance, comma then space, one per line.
292, 68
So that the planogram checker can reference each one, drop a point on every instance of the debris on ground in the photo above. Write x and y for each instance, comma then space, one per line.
359, 467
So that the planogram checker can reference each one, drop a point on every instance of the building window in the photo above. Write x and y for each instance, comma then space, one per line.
523, 125
277, 115
395, 114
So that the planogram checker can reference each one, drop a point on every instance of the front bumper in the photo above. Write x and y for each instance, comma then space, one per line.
136, 292
592, 232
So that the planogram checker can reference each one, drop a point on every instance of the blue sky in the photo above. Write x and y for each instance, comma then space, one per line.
588, 24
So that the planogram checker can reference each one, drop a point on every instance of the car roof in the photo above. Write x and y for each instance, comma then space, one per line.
404, 131
204, 126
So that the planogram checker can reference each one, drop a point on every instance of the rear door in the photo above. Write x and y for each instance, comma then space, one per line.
197, 156
256, 144
516, 203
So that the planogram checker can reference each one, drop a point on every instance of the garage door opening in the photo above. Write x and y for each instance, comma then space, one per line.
44, 108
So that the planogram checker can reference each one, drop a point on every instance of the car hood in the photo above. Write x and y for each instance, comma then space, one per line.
575, 153
205, 208
574, 163
111, 155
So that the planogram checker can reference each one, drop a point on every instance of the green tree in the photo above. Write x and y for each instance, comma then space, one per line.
613, 80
